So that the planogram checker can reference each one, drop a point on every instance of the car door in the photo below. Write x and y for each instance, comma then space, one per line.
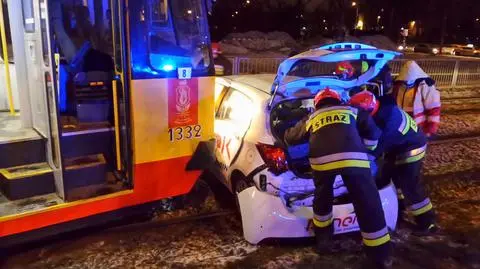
232, 121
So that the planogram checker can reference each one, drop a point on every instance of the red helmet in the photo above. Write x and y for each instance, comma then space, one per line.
365, 100
324, 94
345, 68
216, 48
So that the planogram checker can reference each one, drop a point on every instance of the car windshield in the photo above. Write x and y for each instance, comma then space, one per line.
347, 70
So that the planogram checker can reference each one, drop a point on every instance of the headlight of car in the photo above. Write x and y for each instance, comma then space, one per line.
400, 47
435, 51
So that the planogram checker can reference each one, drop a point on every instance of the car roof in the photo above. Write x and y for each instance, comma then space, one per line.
262, 82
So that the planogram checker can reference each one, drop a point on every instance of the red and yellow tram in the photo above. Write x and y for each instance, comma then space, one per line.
84, 136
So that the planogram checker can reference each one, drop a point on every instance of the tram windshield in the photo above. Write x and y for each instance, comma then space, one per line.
166, 35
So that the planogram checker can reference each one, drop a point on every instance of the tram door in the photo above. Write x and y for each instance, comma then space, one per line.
30, 158
40, 77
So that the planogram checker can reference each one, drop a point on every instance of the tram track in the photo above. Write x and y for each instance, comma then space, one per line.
174, 220
454, 139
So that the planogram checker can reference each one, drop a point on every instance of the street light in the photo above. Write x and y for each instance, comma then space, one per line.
354, 4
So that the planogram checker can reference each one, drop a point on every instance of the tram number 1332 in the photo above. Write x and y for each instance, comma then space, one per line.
184, 132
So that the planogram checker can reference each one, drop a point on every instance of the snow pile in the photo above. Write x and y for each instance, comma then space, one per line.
277, 44
256, 42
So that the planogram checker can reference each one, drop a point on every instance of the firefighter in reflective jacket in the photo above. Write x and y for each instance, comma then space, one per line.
338, 136
415, 92
404, 145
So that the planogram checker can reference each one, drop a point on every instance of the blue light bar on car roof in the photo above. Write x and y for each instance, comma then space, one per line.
346, 46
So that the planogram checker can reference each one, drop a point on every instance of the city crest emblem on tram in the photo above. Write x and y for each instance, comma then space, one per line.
182, 103
182, 99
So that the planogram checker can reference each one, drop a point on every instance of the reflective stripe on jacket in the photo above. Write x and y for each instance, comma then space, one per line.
400, 133
411, 156
337, 137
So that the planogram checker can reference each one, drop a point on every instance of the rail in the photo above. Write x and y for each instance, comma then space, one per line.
448, 73
454, 139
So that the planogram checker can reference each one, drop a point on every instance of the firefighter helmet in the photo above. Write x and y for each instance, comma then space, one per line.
325, 94
216, 48
365, 100
345, 69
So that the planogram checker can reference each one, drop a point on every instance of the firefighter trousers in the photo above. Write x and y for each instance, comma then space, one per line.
366, 202
412, 195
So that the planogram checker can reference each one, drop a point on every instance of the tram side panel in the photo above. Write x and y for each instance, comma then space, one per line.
169, 117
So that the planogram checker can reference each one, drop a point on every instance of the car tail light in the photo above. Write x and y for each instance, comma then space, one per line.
274, 158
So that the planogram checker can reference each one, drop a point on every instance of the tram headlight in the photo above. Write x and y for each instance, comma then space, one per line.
168, 67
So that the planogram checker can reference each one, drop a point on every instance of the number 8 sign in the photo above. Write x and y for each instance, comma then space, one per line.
184, 72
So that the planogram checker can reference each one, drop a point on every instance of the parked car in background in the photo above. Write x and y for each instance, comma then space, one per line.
272, 180
450, 49
405, 48
468, 50
426, 48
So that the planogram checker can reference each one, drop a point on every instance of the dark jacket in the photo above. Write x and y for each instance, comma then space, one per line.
338, 137
223, 67
400, 133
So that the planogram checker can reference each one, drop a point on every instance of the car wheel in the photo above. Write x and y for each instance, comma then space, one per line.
240, 184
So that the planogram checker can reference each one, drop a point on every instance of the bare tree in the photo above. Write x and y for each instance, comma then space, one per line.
340, 7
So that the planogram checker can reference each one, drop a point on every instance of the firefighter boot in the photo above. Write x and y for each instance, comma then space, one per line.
324, 242
401, 210
369, 264
379, 257
426, 224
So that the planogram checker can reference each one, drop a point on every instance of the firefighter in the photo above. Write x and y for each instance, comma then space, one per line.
223, 67
415, 92
404, 146
339, 136
345, 70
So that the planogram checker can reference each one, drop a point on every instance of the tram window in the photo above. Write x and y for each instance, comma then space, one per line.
159, 13
191, 38
43, 28
177, 38
28, 16
7, 33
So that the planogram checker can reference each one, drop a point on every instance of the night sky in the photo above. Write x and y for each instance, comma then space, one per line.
460, 18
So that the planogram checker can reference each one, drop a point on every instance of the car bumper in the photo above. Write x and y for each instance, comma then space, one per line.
265, 215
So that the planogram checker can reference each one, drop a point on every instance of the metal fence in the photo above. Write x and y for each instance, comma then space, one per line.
448, 73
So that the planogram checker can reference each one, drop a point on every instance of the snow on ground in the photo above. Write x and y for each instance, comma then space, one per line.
460, 124
218, 242
452, 157
451, 176
207, 244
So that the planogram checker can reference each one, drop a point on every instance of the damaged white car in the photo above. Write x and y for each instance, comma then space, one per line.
273, 182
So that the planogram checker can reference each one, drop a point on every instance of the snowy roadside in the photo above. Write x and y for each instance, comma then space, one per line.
218, 242
460, 124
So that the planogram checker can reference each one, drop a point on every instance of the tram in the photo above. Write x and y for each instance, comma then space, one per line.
103, 106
